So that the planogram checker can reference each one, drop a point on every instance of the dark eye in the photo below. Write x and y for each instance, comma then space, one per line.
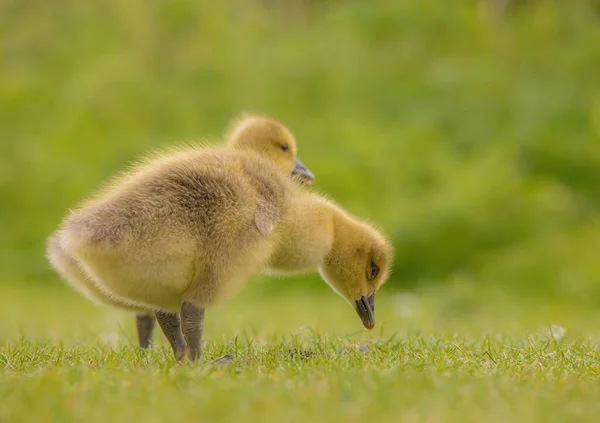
284, 147
373, 271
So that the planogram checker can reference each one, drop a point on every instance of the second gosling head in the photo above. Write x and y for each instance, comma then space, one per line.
358, 264
271, 139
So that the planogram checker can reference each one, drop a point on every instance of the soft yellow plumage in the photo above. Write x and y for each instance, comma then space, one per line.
185, 231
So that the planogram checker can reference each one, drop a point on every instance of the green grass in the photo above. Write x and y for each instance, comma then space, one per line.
474, 143
435, 356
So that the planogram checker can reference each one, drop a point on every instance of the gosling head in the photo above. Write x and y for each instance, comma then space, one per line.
271, 139
359, 262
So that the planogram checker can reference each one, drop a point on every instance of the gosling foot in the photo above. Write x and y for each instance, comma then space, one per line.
145, 323
170, 323
192, 321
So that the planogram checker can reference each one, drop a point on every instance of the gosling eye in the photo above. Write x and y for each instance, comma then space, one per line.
284, 147
373, 271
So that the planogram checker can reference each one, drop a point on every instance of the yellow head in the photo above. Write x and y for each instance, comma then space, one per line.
271, 139
360, 261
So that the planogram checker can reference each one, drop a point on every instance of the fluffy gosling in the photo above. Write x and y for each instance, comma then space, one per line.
261, 134
184, 232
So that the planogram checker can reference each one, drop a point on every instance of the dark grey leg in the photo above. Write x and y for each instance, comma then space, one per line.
192, 321
170, 323
145, 327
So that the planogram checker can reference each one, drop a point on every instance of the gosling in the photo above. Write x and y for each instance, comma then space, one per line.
261, 134
270, 138
185, 231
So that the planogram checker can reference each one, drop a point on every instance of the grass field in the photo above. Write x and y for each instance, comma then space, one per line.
472, 139
450, 355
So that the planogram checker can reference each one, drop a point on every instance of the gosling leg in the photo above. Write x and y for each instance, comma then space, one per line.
170, 323
145, 327
192, 320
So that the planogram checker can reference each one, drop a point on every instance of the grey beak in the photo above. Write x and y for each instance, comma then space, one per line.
365, 307
303, 171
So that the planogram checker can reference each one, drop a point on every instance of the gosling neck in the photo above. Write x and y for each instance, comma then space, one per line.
305, 239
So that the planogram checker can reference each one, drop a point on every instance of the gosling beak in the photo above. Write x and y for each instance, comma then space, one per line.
305, 175
365, 307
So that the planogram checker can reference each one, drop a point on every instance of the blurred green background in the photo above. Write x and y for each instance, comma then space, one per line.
471, 134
